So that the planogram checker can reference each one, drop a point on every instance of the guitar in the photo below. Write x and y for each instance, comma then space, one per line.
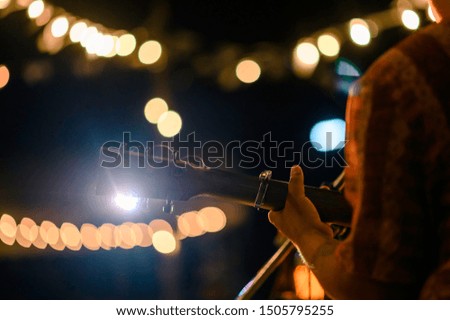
181, 182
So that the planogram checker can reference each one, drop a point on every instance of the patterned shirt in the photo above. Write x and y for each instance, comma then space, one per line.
398, 178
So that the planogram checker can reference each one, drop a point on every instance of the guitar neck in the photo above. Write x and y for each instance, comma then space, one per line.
243, 189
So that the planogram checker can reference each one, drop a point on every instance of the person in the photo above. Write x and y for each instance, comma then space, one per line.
397, 179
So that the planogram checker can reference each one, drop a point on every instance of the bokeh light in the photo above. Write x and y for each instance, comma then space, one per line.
45, 17
59, 26
212, 219
127, 236
307, 286
125, 45
346, 68
47, 42
126, 202
190, 225
169, 124
39, 242
431, 14
21, 240
4, 76
360, 32
410, 19
154, 109
248, 71
90, 237
35, 9
159, 225
307, 53
150, 52
28, 229
328, 135
329, 45
105, 45
164, 242
88, 35
4, 3
147, 234
305, 58
70, 235
8, 226
107, 235
77, 31
49, 232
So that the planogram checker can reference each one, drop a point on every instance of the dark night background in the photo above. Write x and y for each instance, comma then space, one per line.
54, 128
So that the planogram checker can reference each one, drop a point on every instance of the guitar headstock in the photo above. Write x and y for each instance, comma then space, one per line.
170, 179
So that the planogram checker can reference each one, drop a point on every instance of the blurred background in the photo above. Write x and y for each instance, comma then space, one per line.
76, 74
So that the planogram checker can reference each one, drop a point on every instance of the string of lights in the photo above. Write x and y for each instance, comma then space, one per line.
61, 29
158, 233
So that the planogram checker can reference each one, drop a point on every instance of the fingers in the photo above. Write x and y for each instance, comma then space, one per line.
296, 185
274, 217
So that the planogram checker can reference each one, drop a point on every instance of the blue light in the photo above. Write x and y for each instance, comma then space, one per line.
328, 135
346, 68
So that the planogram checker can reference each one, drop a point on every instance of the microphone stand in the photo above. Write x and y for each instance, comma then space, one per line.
269, 267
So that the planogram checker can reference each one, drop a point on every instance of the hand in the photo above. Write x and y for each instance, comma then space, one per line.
299, 218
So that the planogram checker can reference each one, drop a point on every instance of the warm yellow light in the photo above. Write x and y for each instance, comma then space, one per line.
164, 242
28, 229
150, 52
410, 19
105, 44
431, 14
113, 50
8, 226
4, 3
183, 226
160, 225
360, 32
4, 76
35, 9
154, 109
138, 233
39, 242
127, 236
49, 232
307, 53
147, 234
58, 246
60, 26
45, 17
77, 31
70, 235
328, 45
189, 224
47, 42
90, 237
21, 240
88, 35
107, 48
107, 236
307, 287
212, 219
125, 45
169, 124
248, 71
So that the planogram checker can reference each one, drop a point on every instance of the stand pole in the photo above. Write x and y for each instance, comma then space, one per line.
274, 262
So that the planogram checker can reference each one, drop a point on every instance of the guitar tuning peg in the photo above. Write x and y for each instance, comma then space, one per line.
168, 207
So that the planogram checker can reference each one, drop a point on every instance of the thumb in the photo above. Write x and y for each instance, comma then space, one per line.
296, 184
